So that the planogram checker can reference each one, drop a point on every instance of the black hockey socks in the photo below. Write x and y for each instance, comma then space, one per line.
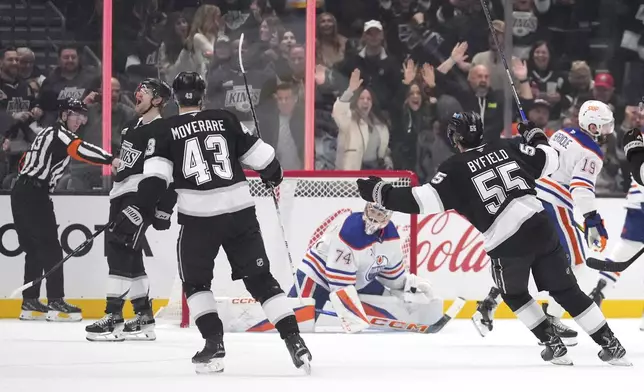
114, 305
203, 308
287, 326
277, 307
529, 312
262, 287
582, 308
142, 305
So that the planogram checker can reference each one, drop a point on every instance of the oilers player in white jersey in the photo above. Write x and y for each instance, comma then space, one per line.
571, 186
361, 257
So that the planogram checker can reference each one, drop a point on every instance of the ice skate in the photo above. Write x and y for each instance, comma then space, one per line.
107, 329
300, 354
567, 335
141, 327
596, 294
59, 310
612, 350
33, 309
484, 314
211, 358
555, 351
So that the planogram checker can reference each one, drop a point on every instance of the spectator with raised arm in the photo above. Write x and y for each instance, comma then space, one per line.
363, 134
546, 80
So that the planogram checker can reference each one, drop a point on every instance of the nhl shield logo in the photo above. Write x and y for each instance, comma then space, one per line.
129, 156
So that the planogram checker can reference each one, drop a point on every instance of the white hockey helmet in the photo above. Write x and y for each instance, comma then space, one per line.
596, 119
376, 217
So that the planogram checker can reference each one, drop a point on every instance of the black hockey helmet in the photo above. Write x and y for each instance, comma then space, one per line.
73, 105
158, 89
466, 129
188, 88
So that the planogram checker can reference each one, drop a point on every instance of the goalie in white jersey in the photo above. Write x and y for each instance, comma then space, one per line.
571, 186
356, 264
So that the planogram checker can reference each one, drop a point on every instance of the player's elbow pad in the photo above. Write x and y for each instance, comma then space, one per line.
401, 199
150, 191
636, 162
551, 159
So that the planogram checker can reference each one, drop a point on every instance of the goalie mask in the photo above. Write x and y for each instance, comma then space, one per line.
376, 217
596, 119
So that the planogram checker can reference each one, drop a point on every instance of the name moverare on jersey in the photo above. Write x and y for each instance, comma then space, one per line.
188, 129
486, 160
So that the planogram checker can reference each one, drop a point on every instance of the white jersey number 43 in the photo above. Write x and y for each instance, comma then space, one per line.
194, 164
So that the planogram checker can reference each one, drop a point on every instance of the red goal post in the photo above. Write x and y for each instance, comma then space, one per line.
310, 203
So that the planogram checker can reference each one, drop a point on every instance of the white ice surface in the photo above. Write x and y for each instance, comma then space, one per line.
39, 356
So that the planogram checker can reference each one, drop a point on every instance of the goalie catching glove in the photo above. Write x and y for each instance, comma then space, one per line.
128, 228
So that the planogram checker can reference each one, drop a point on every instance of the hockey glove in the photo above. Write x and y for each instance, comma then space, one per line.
274, 179
374, 189
161, 220
128, 228
416, 284
633, 143
594, 231
532, 134
164, 208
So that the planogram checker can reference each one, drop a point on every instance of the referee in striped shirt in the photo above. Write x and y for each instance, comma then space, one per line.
33, 211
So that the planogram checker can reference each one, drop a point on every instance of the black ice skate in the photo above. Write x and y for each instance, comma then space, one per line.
597, 295
211, 358
107, 329
555, 351
567, 335
33, 309
59, 310
140, 327
612, 350
300, 354
484, 314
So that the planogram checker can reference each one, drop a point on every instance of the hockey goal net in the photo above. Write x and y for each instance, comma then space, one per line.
310, 203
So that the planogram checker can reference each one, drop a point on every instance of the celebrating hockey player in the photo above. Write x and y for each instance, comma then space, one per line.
493, 186
571, 185
356, 262
202, 153
127, 275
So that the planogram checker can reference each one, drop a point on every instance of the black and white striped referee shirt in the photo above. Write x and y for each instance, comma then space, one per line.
51, 151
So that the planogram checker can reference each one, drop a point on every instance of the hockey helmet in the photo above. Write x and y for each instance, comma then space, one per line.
188, 88
72, 105
596, 119
157, 89
375, 217
465, 129
75, 112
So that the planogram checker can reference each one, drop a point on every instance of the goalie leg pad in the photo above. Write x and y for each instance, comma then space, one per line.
349, 309
203, 308
418, 310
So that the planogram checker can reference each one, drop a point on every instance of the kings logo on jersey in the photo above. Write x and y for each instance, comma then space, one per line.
377, 267
129, 156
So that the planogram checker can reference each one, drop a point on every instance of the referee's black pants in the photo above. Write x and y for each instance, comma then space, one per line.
35, 222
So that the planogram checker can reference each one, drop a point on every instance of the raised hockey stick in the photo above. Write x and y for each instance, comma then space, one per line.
486, 11
59, 264
397, 325
272, 189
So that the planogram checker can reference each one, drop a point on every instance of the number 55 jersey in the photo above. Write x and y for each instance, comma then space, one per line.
203, 153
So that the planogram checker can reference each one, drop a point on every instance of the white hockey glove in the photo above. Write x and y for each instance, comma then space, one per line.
415, 284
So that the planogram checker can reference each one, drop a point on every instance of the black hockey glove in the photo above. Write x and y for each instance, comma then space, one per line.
128, 228
274, 179
532, 134
374, 189
633, 143
161, 220
164, 208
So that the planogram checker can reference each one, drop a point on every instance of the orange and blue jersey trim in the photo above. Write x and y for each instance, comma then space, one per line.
559, 191
634, 190
569, 235
302, 314
580, 182
327, 274
393, 273
585, 141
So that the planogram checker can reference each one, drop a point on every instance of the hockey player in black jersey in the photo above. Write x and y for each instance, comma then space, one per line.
202, 152
127, 277
33, 210
492, 185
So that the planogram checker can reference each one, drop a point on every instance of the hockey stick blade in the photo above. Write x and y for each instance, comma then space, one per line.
611, 266
451, 313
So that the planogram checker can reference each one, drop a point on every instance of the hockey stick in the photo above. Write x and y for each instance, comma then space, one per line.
272, 189
612, 266
486, 10
397, 325
59, 264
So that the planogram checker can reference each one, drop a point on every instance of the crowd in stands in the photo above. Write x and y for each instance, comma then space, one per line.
388, 74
